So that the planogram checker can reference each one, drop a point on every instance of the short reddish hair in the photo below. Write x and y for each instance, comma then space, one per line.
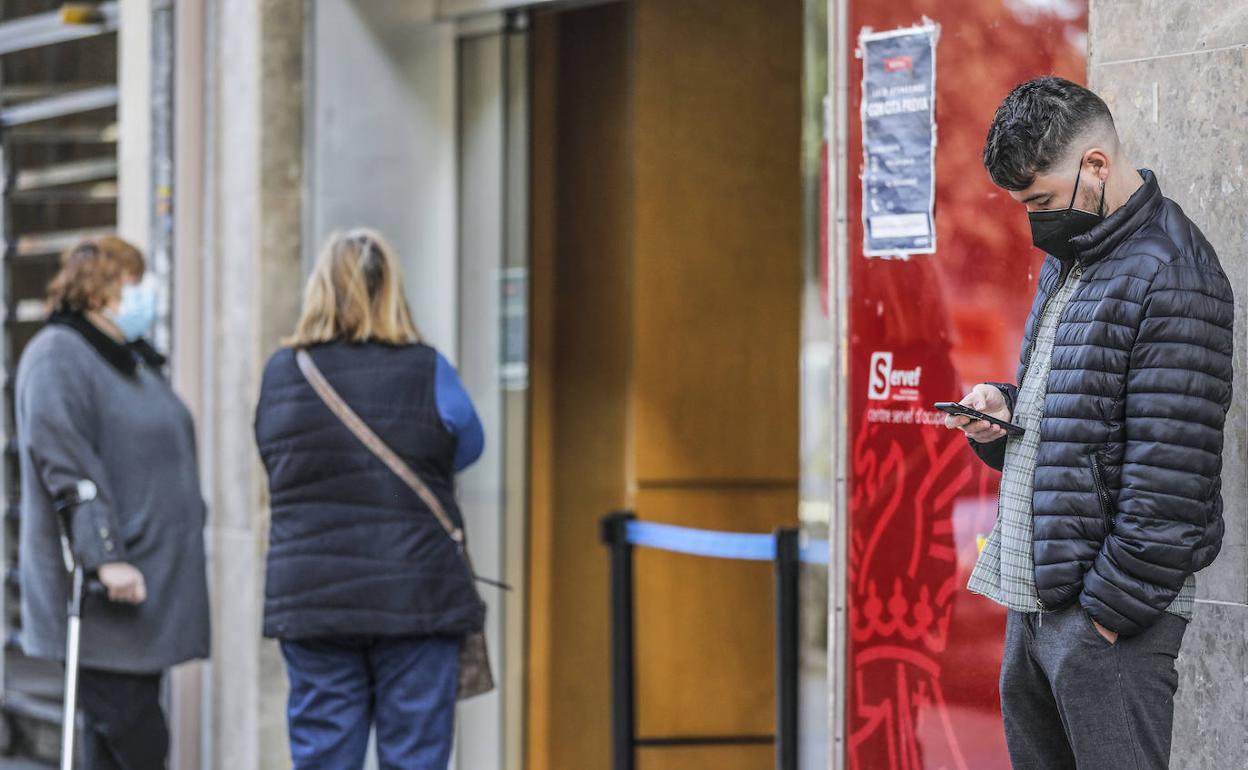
92, 272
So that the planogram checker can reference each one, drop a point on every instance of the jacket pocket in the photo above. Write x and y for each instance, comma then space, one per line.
1102, 495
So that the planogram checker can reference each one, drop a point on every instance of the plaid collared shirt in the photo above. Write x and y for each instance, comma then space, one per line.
1005, 570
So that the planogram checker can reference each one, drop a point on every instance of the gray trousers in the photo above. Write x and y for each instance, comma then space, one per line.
1071, 699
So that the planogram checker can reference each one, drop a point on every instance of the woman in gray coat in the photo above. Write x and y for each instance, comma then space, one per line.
93, 405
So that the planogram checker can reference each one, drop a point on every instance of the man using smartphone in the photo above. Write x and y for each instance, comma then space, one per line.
1110, 501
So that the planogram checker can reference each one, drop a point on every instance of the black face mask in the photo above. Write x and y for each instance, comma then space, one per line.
1051, 231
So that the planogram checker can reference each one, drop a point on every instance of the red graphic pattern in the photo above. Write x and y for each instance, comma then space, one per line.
924, 653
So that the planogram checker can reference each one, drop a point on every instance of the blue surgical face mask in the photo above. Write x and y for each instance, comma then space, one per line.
137, 312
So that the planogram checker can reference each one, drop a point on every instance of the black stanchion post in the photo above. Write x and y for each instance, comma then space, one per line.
788, 562
623, 676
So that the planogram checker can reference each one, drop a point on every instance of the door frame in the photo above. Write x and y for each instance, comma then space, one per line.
492, 79
837, 128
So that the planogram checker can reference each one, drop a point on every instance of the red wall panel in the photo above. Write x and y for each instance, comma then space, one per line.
923, 651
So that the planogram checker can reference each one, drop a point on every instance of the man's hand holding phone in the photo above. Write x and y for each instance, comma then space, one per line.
989, 400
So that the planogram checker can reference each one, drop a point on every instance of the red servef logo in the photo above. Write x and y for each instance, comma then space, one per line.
888, 383
881, 370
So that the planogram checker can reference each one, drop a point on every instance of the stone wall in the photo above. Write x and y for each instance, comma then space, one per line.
254, 276
1174, 72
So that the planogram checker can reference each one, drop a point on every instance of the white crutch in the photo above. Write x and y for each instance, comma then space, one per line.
65, 505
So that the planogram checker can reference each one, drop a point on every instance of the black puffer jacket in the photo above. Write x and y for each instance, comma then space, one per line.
1127, 498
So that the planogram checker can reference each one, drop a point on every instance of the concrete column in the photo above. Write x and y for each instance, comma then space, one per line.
254, 249
187, 707
1174, 73
134, 120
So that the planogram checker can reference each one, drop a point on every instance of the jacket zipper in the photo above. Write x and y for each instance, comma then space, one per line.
1102, 494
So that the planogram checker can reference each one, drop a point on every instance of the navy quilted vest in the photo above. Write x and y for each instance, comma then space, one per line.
352, 550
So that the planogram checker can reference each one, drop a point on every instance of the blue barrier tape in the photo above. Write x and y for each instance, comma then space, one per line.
716, 545
702, 542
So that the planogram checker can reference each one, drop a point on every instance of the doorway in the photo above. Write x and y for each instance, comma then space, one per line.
666, 210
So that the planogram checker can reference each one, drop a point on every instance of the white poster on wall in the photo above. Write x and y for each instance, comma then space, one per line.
899, 140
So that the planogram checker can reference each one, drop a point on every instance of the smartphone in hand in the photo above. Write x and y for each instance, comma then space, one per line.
950, 407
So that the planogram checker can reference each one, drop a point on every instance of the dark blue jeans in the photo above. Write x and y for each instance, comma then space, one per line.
341, 687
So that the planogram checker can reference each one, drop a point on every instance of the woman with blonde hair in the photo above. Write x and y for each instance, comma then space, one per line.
366, 589
103, 438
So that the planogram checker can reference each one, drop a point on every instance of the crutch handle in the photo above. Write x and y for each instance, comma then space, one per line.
65, 504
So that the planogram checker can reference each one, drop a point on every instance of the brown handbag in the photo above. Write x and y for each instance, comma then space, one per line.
475, 676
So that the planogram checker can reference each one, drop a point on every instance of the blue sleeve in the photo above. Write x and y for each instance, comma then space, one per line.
458, 415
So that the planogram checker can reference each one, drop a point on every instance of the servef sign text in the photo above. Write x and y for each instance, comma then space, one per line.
887, 383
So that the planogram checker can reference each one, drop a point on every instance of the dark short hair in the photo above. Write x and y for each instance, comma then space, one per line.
1035, 126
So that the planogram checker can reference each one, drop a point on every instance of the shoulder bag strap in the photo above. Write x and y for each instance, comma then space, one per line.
373, 442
